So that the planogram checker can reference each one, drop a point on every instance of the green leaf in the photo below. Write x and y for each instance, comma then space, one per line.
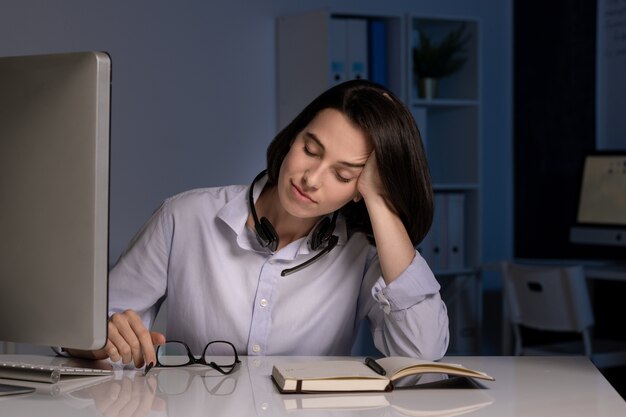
436, 61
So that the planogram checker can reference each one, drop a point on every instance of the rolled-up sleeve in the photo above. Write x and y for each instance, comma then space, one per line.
408, 316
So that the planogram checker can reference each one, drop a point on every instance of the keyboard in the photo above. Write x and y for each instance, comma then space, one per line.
46, 373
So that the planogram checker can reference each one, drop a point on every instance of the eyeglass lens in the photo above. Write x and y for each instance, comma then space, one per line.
220, 353
172, 354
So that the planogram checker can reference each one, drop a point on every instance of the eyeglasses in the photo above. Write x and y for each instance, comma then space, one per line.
219, 355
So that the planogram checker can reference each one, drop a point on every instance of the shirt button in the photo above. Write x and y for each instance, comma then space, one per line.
257, 363
264, 303
256, 348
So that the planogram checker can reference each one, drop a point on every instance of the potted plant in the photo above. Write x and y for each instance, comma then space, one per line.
433, 61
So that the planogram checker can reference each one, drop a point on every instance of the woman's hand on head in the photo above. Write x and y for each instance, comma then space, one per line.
369, 183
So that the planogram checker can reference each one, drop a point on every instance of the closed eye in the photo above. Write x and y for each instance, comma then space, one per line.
308, 152
342, 179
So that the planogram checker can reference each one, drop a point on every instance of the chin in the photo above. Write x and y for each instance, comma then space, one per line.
298, 211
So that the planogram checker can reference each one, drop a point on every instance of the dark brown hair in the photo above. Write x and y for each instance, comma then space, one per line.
399, 152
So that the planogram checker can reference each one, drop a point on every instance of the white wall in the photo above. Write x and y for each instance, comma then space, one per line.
194, 90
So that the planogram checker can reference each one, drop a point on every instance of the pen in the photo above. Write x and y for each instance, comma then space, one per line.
374, 366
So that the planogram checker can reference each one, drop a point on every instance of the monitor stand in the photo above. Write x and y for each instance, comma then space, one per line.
598, 236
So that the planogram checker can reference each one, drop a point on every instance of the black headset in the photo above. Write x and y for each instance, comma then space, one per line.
268, 238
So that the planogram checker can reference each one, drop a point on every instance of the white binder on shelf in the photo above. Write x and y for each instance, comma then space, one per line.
348, 50
338, 71
455, 245
357, 49
434, 250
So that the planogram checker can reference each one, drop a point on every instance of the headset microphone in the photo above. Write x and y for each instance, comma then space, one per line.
268, 238
332, 242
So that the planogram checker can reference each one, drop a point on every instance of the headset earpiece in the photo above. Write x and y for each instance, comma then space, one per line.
321, 234
266, 234
323, 231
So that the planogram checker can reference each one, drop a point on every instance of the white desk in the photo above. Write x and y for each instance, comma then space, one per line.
524, 386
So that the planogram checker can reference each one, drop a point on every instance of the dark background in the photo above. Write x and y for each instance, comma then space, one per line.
553, 128
554, 124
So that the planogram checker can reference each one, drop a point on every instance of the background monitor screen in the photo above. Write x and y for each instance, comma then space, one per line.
601, 215
54, 198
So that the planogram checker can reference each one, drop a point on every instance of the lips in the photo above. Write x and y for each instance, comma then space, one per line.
301, 195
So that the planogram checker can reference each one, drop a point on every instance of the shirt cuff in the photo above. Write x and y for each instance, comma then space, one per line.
412, 286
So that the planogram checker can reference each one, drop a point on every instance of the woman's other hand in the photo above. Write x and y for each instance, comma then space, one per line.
128, 340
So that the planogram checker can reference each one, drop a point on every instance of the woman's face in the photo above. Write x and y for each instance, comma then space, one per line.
319, 173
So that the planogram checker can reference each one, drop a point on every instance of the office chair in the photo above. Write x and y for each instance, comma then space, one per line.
556, 299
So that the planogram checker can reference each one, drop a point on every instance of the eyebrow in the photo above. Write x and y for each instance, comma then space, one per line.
314, 138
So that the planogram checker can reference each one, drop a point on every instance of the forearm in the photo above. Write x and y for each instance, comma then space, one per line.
393, 244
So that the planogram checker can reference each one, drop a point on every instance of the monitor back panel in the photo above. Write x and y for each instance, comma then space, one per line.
54, 190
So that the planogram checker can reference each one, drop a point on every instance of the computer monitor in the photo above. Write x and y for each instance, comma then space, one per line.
54, 199
601, 217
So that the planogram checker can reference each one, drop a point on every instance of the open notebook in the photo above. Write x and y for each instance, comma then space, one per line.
358, 376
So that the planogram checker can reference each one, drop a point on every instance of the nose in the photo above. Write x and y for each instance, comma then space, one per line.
312, 178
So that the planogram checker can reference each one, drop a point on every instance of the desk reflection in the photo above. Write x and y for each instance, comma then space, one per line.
130, 395
525, 386
249, 391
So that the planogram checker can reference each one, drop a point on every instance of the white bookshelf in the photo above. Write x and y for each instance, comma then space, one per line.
449, 123
451, 132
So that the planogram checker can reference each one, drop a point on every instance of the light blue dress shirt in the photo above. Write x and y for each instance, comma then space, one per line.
220, 284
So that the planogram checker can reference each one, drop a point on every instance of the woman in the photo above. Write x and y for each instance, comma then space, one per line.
348, 190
